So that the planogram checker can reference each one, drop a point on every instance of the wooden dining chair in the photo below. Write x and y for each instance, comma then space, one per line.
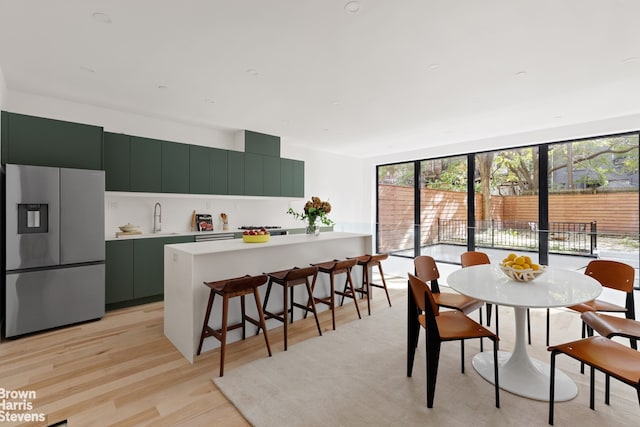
442, 326
470, 258
609, 327
602, 354
613, 275
426, 270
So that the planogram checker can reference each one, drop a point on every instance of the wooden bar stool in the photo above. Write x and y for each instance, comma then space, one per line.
368, 262
289, 279
333, 268
227, 289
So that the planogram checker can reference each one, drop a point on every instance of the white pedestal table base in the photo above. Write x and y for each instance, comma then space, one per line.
528, 380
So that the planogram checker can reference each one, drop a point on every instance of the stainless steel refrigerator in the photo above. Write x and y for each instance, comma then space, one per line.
55, 248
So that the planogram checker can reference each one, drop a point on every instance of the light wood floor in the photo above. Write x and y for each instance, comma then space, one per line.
123, 371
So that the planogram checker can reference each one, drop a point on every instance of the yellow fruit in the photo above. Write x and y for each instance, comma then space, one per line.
535, 267
511, 256
517, 267
519, 260
526, 266
527, 260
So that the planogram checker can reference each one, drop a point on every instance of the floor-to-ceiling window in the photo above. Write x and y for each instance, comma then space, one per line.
573, 198
593, 198
506, 200
396, 202
443, 208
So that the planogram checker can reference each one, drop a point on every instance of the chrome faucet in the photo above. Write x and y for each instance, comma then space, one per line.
157, 218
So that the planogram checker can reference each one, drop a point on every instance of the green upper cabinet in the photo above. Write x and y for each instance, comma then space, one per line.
175, 167
145, 165
219, 171
138, 164
271, 176
291, 178
235, 172
46, 142
116, 161
260, 143
253, 174
4, 136
199, 170
286, 177
298, 178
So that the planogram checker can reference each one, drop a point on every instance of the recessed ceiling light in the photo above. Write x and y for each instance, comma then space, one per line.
253, 72
101, 17
162, 87
434, 66
631, 59
87, 69
336, 102
557, 117
352, 7
521, 74
209, 101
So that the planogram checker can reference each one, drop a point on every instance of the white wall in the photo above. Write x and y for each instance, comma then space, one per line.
341, 180
3, 90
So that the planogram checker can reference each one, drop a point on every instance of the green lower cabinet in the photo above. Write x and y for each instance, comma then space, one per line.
148, 267
119, 271
135, 270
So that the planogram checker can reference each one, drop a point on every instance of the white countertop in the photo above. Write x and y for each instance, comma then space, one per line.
182, 233
211, 247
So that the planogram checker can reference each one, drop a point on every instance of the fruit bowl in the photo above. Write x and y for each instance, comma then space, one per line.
527, 275
256, 238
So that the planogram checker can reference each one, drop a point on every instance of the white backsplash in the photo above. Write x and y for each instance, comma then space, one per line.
137, 209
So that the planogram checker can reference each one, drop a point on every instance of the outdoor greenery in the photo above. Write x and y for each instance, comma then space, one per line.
594, 164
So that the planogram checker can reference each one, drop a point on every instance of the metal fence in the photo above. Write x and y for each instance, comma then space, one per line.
564, 237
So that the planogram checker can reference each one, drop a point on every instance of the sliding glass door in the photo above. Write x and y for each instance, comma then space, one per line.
443, 208
565, 202
593, 199
395, 213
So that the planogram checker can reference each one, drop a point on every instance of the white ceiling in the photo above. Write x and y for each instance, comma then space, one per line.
395, 76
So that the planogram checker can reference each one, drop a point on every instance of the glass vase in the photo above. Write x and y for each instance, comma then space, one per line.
313, 228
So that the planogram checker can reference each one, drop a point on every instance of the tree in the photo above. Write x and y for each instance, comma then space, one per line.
484, 163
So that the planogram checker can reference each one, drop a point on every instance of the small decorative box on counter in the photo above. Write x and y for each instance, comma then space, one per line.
204, 222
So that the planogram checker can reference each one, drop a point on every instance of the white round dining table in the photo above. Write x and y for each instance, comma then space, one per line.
518, 373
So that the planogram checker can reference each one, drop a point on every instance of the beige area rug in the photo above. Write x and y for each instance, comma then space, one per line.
356, 376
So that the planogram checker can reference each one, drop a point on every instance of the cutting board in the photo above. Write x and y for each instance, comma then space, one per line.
127, 233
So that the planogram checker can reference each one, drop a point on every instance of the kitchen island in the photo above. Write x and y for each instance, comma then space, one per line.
188, 265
